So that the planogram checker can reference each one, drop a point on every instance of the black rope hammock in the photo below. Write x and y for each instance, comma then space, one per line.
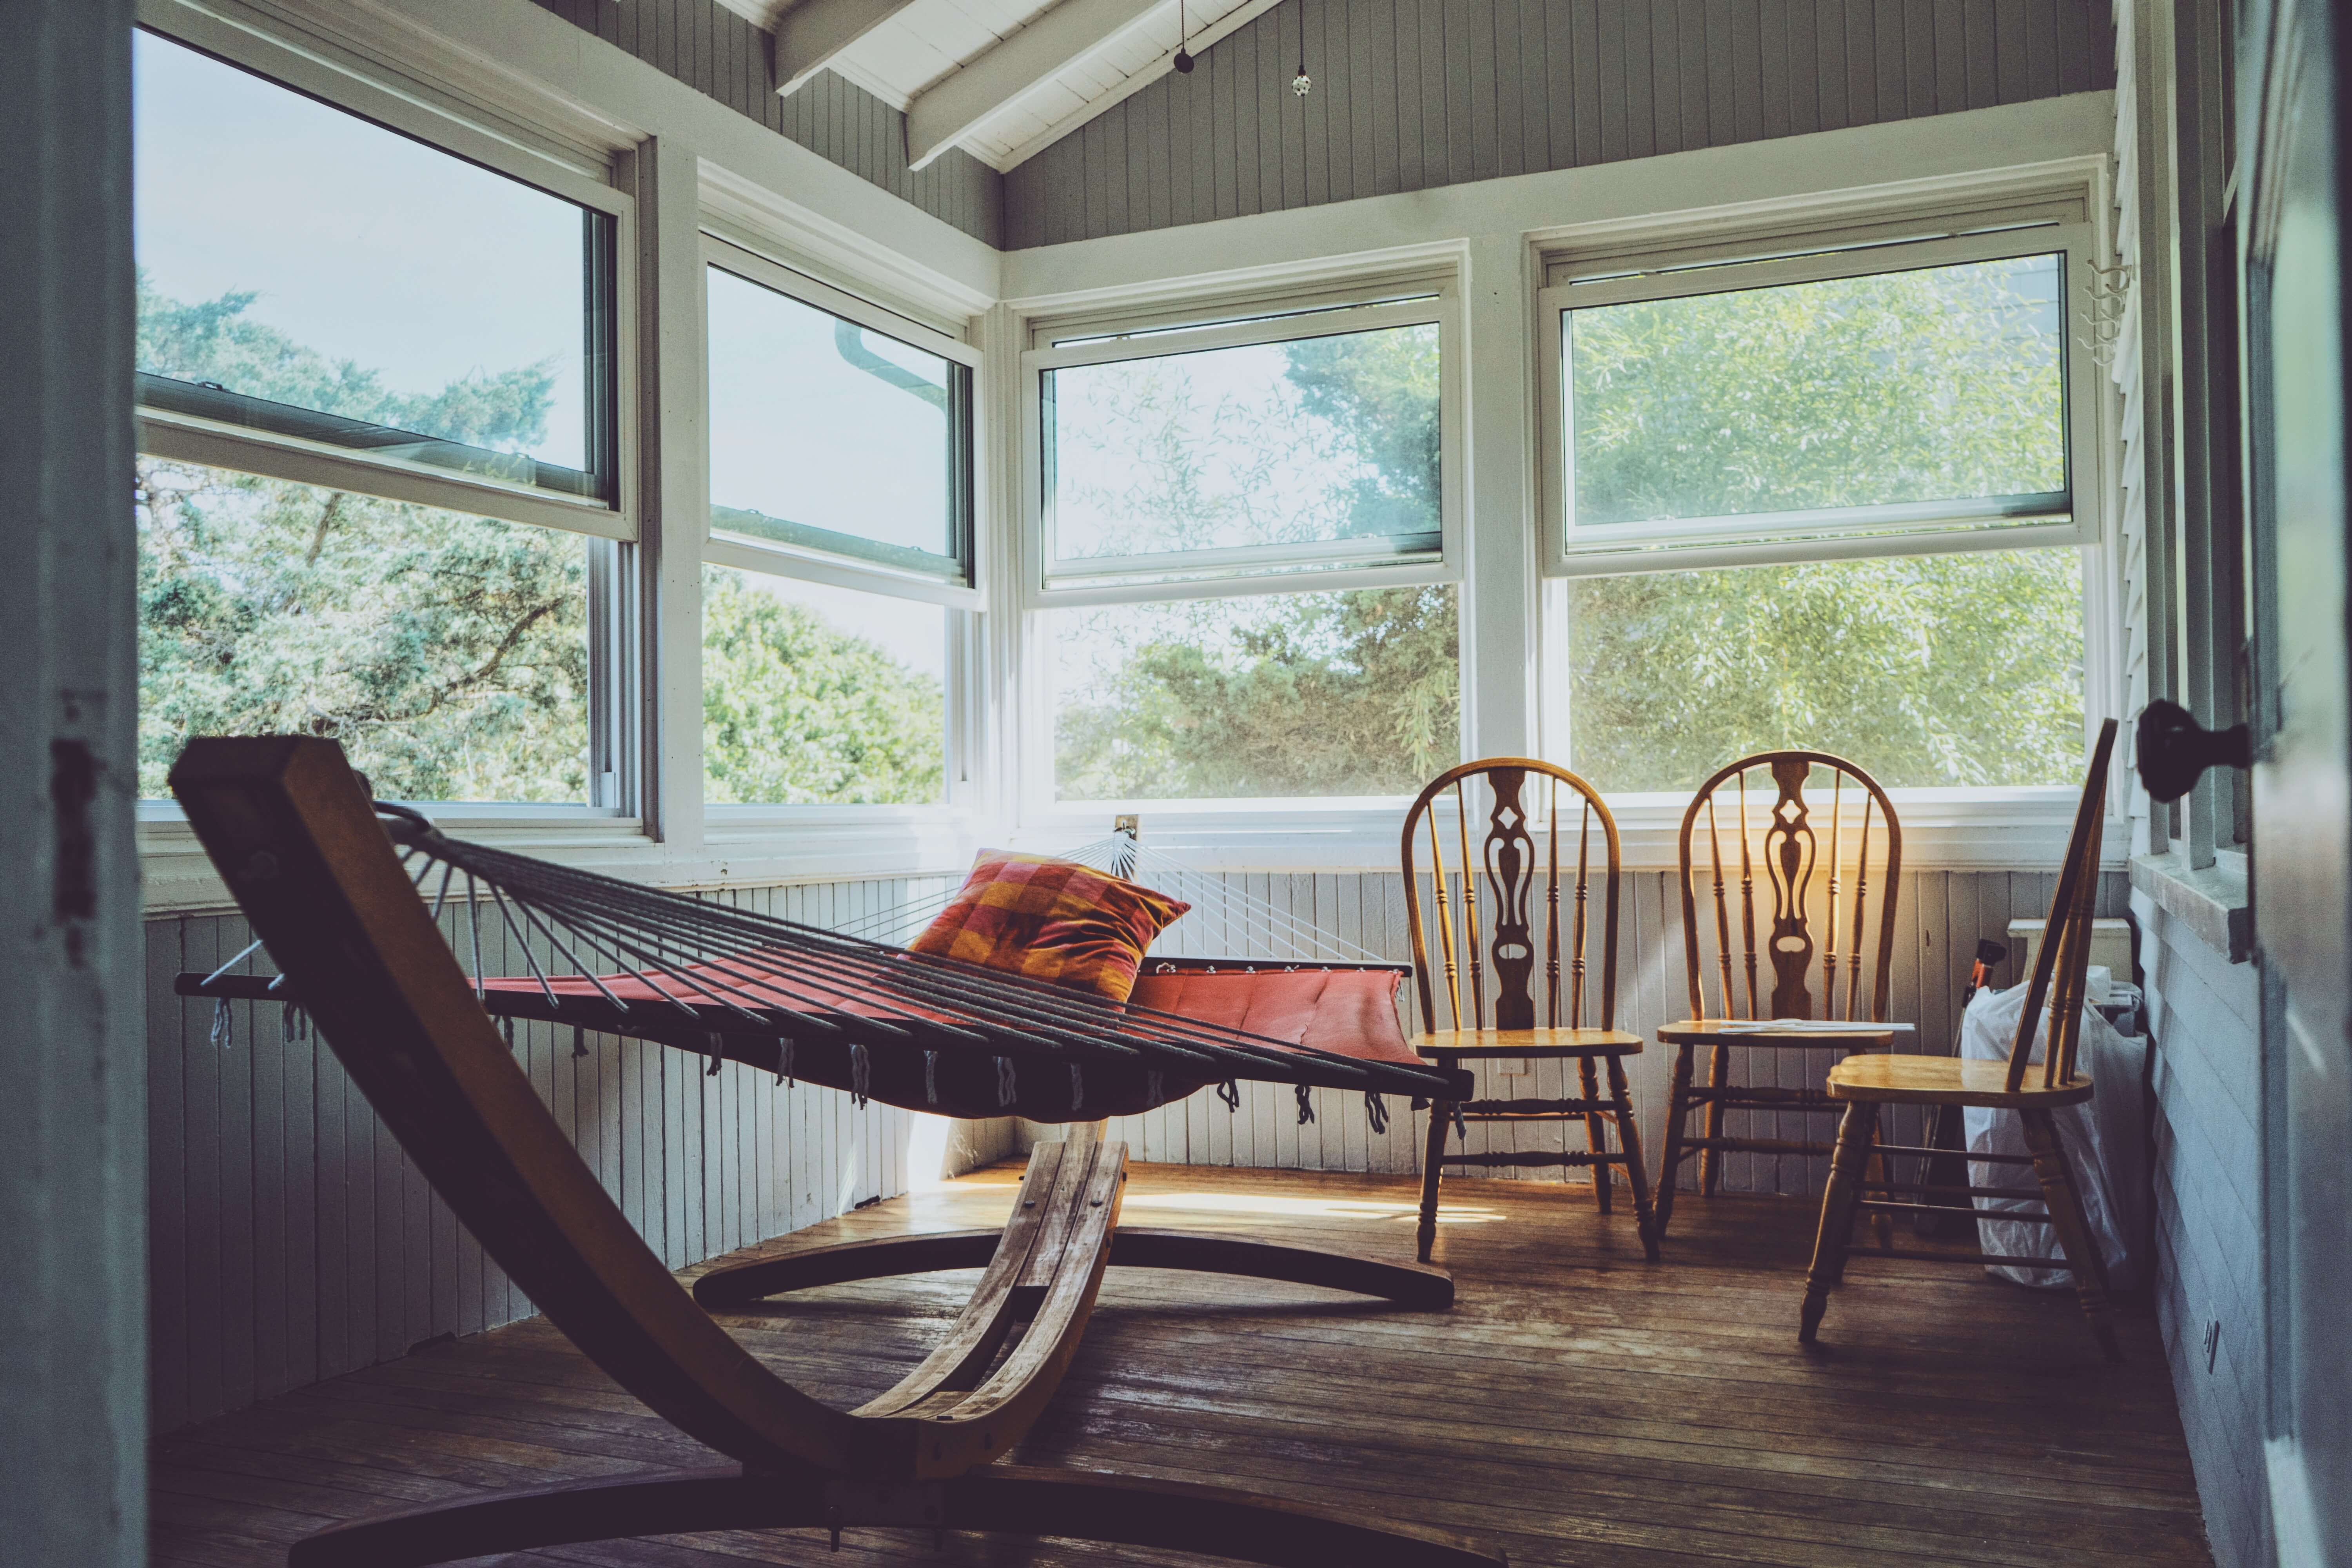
910, 1029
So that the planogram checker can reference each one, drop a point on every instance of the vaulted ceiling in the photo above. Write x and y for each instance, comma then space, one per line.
1001, 78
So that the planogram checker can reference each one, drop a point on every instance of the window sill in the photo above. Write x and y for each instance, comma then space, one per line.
177, 877
2213, 903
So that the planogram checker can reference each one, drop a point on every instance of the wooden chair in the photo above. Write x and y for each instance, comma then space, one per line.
1865, 1084
1773, 823
296, 842
1518, 789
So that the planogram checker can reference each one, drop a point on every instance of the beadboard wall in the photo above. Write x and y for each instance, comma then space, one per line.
290, 1240
1412, 94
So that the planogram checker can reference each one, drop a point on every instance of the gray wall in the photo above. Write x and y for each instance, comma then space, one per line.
717, 52
2206, 1018
288, 1240
1410, 94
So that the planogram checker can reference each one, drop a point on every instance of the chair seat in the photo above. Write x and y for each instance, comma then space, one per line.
1948, 1080
1740, 1032
1528, 1043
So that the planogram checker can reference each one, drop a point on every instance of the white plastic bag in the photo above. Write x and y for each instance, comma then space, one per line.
2103, 1139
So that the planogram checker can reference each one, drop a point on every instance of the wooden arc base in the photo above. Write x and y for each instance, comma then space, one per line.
986, 1382
1016, 1499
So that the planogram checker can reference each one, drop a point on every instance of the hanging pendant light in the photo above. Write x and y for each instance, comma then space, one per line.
1182, 62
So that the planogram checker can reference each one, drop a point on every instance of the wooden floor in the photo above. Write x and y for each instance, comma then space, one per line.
1577, 1406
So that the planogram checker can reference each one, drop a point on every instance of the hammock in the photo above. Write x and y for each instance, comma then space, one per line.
914, 1030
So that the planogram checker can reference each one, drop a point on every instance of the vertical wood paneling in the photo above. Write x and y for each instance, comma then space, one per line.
291, 1240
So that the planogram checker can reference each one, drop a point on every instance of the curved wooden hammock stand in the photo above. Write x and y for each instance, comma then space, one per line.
298, 844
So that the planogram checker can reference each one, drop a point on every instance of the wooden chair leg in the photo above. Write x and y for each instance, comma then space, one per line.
1710, 1159
2064, 1202
1432, 1156
1628, 1137
1671, 1158
1596, 1136
1855, 1135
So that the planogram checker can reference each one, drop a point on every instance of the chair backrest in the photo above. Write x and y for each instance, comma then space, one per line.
2063, 958
1770, 806
1511, 797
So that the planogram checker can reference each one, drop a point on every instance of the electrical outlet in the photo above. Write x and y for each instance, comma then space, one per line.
2212, 1342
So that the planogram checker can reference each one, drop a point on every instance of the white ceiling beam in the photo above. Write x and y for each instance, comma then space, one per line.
999, 76
812, 32
1231, 22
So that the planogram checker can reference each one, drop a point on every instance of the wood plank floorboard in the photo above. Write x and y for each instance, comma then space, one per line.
1578, 1405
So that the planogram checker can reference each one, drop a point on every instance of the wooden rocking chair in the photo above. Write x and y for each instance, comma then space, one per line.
1507, 855
1792, 851
1865, 1084
299, 846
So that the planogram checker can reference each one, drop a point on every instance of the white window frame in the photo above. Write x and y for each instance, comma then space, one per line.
1254, 826
182, 438
579, 161
1846, 533
1691, 254
1061, 342
726, 824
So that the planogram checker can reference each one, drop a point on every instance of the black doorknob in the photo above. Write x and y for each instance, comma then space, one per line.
2174, 749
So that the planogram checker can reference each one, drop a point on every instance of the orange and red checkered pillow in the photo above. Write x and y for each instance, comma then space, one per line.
1053, 920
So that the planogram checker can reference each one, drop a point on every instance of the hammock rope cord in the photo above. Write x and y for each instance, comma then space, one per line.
694, 970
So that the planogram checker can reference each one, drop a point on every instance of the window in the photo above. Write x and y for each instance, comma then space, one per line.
840, 584
1892, 399
1325, 694
1930, 671
369, 371
817, 695
1823, 498
1243, 557
829, 435
449, 654
1309, 443
309, 280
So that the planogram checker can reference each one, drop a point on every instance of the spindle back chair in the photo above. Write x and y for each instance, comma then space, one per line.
1865, 1084
1804, 895
1510, 799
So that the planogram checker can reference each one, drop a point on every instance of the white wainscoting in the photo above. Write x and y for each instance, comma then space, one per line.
290, 1240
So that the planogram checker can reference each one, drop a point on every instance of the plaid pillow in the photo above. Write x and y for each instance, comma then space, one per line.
1053, 920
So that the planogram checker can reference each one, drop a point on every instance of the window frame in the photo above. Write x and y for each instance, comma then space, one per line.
1848, 533
733, 824
1286, 826
843, 569
184, 437
1070, 342
543, 159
